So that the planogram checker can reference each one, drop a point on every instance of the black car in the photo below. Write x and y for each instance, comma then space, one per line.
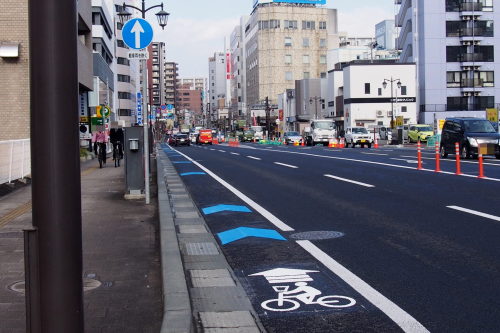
469, 133
181, 139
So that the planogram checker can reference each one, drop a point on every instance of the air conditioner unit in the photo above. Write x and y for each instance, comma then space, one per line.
466, 42
389, 113
466, 94
380, 113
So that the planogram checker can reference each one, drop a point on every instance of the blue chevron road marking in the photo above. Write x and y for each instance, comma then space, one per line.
192, 173
224, 208
233, 235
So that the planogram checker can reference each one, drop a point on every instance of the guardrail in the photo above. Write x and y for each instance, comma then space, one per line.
15, 160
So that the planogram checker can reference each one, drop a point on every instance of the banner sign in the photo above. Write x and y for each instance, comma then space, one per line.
312, 2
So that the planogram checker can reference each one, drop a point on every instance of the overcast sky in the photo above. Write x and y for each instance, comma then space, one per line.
196, 28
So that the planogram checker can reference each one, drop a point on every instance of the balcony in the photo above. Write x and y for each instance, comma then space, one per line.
470, 57
471, 83
471, 7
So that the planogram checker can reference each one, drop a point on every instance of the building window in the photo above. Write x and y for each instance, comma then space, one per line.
123, 61
123, 78
120, 43
484, 52
263, 25
288, 59
305, 42
403, 90
456, 103
288, 76
307, 75
274, 24
322, 25
455, 28
124, 95
288, 41
290, 24
456, 53
305, 59
380, 91
404, 108
308, 25
484, 102
322, 59
367, 88
322, 75
454, 79
322, 42
125, 112
485, 79
119, 26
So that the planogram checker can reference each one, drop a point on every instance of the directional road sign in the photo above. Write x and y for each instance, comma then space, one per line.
170, 106
137, 34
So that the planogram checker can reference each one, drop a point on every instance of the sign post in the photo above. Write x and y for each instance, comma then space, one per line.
138, 34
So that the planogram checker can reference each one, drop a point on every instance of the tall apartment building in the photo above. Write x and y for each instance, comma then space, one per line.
238, 107
197, 83
126, 76
156, 74
171, 74
286, 41
385, 35
14, 70
217, 83
454, 49
103, 45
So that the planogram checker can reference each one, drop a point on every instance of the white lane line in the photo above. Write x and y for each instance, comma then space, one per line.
475, 212
235, 154
386, 150
454, 161
398, 315
222, 151
406, 160
255, 158
287, 165
375, 154
212, 149
349, 181
261, 210
381, 163
332, 150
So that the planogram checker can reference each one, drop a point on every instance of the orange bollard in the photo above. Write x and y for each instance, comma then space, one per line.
438, 169
481, 170
303, 143
457, 158
419, 155
376, 143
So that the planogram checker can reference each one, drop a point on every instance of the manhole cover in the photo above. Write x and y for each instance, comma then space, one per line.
88, 284
317, 235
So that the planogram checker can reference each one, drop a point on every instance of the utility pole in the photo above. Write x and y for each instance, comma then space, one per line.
53, 256
268, 117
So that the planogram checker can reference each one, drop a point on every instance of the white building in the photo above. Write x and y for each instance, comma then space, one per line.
454, 49
238, 106
385, 35
217, 82
356, 95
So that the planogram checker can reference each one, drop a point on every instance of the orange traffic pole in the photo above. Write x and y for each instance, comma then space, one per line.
481, 170
419, 155
438, 169
457, 158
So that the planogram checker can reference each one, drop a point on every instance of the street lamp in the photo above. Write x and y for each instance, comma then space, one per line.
384, 84
124, 15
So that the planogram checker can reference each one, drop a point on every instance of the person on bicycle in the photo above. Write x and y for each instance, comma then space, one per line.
303, 292
116, 139
99, 139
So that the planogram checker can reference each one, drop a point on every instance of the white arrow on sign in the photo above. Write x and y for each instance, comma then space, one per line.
137, 30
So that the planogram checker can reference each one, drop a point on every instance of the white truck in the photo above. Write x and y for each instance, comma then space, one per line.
320, 131
259, 132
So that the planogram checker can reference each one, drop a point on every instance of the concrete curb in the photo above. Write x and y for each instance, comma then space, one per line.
177, 314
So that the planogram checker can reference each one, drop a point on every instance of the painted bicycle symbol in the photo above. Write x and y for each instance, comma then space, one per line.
289, 300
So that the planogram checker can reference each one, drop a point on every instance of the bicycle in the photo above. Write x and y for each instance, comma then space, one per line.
117, 153
285, 303
101, 154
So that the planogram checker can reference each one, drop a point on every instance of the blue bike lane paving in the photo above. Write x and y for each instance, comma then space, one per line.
290, 290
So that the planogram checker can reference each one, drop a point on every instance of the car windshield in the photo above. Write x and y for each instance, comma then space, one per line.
292, 134
323, 125
424, 129
360, 130
182, 136
250, 132
479, 126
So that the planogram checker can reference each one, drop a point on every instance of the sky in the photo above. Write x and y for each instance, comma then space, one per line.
196, 28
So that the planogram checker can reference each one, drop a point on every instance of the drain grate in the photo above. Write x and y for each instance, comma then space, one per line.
317, 235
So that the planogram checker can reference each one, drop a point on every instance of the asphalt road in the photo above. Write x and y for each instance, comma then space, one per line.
405, 250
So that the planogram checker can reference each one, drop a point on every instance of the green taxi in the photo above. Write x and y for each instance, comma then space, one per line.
420, 132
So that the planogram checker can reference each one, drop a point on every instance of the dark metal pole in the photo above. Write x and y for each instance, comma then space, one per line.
55, 164
268, 120
392, 105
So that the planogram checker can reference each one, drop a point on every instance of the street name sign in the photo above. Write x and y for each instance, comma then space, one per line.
137, 34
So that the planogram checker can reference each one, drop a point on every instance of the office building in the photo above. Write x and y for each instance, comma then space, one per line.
171, 74
217, 85
385, 35
156, 75
286, 41
453, 45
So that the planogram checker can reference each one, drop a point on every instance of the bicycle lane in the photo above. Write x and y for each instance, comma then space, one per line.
271, 264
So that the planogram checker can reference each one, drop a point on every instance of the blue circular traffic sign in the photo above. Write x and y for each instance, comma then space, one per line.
137, 34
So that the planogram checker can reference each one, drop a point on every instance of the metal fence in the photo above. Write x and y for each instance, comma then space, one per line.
15, 160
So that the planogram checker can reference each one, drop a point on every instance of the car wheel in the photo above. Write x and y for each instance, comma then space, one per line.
369, 145
346, 144
443, 154
353, 145
497, 156
464, 152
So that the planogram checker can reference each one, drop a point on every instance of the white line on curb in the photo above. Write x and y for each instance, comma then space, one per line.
398, 315
349, 181
287, 165
475, 212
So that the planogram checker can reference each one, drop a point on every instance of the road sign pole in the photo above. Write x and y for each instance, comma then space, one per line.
146, 130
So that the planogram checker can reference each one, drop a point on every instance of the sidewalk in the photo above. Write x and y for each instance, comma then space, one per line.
121, 254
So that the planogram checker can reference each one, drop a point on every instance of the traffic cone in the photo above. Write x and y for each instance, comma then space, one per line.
303, 144
376, 143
